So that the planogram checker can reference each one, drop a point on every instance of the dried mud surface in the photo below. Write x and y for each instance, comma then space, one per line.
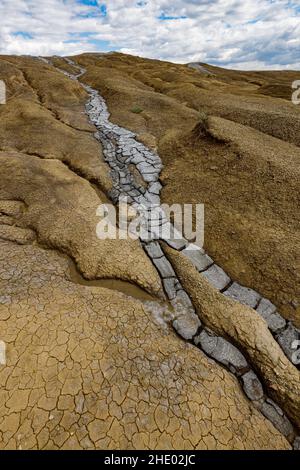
92, 360
228, 145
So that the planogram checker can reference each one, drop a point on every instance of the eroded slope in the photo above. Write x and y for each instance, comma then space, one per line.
252, 222
115, 376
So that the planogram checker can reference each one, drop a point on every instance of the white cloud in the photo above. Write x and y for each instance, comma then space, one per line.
233, 33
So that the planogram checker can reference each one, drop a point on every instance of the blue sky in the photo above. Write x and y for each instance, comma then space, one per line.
248, 34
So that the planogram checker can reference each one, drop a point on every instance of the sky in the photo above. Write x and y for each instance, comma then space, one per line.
240, 34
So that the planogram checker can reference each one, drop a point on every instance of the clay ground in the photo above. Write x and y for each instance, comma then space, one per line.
229, 140
87, 366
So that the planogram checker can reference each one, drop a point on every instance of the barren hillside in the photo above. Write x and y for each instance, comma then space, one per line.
134, 344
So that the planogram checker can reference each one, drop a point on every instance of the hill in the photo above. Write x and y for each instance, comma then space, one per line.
127, 344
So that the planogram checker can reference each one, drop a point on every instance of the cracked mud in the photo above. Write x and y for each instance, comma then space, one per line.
92, 359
